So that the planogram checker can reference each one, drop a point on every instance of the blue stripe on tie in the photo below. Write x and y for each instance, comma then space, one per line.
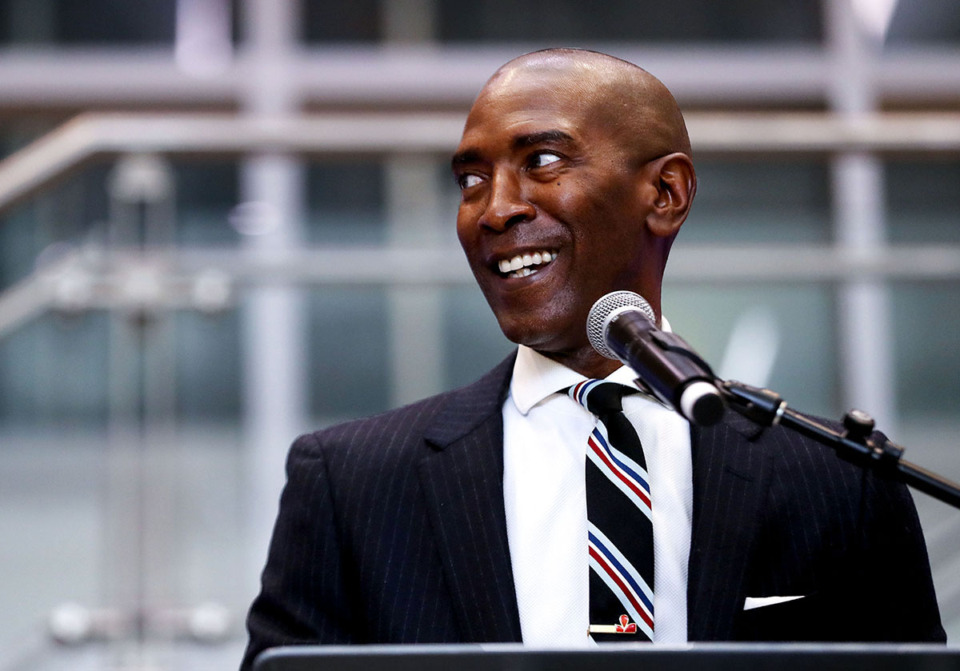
636, 494
627, 575
583, 390
619, 462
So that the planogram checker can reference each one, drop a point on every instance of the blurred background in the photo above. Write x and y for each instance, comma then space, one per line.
227, 222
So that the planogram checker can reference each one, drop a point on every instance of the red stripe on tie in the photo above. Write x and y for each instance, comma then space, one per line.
623, 588
577, 391
599, 451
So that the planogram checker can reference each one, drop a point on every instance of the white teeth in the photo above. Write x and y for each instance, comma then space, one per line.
523, 265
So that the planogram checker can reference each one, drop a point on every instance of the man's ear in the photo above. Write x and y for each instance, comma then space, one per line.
675, 182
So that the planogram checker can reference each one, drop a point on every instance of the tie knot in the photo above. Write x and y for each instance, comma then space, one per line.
600, 397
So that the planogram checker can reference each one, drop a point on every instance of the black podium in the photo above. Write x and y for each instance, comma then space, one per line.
622, 657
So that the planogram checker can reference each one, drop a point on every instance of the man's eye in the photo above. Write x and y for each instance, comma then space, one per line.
468, 181
543, 159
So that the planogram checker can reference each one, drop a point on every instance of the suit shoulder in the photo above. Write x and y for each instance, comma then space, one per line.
793, 447
829, 477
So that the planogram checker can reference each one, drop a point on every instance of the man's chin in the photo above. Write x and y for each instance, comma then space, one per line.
535, 336
545, 321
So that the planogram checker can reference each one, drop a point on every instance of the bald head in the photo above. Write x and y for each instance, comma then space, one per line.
616, 94
575, 177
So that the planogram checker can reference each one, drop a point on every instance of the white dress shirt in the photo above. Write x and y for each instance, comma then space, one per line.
545, 439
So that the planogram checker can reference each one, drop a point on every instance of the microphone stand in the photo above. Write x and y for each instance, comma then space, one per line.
854, 443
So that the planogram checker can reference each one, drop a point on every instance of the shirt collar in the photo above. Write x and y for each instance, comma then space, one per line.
535, 377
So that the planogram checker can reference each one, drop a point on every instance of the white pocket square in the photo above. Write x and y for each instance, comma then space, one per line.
752, 602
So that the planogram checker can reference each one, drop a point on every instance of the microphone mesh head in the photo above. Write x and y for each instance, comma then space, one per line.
603, 308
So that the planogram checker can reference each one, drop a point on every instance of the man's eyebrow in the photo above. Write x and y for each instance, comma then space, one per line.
531, 139
464, 157
521, 141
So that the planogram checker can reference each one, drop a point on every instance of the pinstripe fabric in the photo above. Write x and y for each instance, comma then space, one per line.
391, 530
776, 514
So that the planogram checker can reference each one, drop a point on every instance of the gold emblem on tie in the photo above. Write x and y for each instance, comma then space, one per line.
624, 627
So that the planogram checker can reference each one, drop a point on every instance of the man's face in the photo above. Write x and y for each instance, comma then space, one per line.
551, 214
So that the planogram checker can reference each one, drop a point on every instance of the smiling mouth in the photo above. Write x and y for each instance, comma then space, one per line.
523, 265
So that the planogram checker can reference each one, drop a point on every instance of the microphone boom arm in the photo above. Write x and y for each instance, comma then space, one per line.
856, 443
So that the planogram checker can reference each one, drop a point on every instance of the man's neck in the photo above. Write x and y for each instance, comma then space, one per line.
588, 363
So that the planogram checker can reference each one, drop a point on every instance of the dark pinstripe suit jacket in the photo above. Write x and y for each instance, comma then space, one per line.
392, 530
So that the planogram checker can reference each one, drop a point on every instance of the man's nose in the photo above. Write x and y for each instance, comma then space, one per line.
507, 204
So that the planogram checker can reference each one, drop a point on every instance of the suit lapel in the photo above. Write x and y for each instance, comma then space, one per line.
729, 479
462, 478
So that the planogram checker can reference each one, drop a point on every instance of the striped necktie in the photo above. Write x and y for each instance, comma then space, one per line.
620, 530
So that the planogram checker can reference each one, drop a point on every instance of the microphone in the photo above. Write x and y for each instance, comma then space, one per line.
621, 325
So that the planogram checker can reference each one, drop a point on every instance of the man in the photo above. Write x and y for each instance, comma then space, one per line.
462, 518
